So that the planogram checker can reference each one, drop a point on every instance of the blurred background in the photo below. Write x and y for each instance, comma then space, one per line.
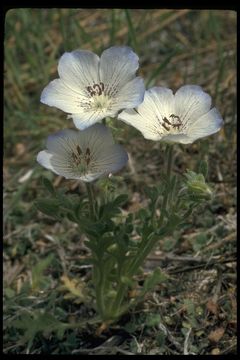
175, 47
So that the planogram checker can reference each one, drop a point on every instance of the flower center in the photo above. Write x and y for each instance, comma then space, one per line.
100, 99
101, 102
80, 160
171, 124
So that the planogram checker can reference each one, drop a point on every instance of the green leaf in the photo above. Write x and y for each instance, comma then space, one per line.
128, 281
72, 217
143, 214
108, 210
120, 200
173, 221
200, 241
37, 322
48, 185
10, 293
147, 230
153, 320
203, 168
49, 207
154, 279
39, 280
112, 208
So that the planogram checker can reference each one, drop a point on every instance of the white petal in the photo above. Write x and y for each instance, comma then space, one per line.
87, 118
207, 124
130, 95
109, 160
58, 94
59, 164
62, 142
162, 101
90, 177
143, 124
44, 159
191, 102
95, 137
62, 166
158, 103
118, 66
59, 160
178, 138
79, 69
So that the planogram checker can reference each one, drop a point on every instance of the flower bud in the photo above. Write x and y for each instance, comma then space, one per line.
112, 248
196, 186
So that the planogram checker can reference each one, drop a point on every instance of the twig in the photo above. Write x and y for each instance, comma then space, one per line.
204, 265
170, 337
218, 287
110, 346
228, 238
185, 348
173, 257
227, 351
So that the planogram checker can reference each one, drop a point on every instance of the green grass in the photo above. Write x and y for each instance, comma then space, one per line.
175, 48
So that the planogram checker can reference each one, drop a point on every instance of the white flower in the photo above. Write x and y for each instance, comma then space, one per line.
91, 88
183, 117
85, 155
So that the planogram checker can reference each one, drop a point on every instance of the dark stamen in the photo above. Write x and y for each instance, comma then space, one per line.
165, 127
167, 121
91, 91
79, 150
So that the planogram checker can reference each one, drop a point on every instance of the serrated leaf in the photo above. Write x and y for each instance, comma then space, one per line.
74, 288
154, 279
39, 280
128, 281
35, 323
153, 320
108, 210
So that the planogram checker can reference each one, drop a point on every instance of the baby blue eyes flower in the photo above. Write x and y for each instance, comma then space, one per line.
183, 117
85, 155
90, 88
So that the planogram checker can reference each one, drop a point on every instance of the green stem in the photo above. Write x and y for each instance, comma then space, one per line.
100, 292
138, 260
91, 200
119, 298
142, 254
81, 324
149, 244
169, 162
169, 153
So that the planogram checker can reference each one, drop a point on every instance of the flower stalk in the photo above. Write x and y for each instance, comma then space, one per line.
91, 200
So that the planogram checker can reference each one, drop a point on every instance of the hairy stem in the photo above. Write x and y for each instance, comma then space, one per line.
91, 200
100, 292
169, 153
148, 244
